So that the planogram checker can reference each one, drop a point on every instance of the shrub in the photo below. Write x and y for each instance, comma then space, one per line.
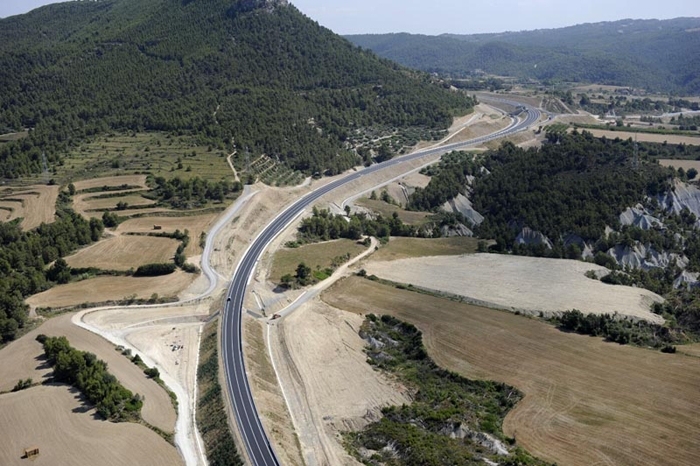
154, 270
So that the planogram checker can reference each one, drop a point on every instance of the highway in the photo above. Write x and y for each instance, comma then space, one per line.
257, 444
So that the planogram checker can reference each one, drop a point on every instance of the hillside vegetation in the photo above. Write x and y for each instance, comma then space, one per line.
452, 420
254, 71
567, 198
657, 55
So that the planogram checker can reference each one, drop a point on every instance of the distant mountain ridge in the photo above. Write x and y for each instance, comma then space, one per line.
279, 83
660, 55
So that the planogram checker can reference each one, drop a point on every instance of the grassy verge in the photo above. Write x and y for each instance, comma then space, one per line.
211, 412
452, 420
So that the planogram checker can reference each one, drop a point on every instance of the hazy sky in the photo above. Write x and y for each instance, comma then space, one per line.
457, 16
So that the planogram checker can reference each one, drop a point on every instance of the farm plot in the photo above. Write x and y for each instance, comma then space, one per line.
110, 182
101, 289
24, 359
527, 284
196, 225
68, 432
586, 401
124, 252
684, 164
646, 137
94, 204
34, 204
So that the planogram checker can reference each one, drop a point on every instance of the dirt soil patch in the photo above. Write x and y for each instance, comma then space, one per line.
402, 248
586, 401
527, 284
328, 382
124, 252
35, 204
24, 359
67, 431
101, 289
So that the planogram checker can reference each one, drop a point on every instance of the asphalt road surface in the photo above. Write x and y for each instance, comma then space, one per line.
257, 443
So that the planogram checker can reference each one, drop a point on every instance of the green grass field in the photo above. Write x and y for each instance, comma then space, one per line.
157, 153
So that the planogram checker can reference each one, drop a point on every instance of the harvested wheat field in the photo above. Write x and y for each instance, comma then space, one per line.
67, 431
587, 402
101, 289
124, 252
129, 180
111, 202
646, 137
526, 284
34, 204
195, 224
24, 358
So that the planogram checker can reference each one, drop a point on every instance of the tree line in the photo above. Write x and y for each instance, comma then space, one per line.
89, 375
24, 256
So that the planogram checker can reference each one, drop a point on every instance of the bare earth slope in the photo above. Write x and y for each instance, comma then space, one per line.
328, 383
528, 284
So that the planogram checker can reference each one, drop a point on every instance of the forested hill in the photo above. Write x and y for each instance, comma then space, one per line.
258, 71
657, 55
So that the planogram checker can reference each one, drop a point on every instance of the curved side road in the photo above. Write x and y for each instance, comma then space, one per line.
257, 443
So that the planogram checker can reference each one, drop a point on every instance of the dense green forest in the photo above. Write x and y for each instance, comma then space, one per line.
444, 403
652, 54
574, 184
257, 72
24, 256
89, 375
